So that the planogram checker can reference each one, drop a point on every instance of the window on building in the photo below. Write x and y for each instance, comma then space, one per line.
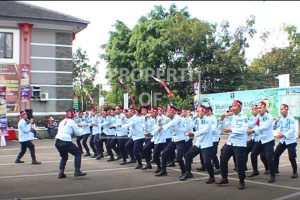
6, 45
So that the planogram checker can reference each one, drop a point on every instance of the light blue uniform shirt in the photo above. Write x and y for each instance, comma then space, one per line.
135, 125
105, 125
265, 128
162, 120
66, 128
24, 128
110, 121
203, 133
216, 132
96, 128
158, 136
189, 123
149, 126
77, 119
287, 127
87, 120
120, 119
239, 125
251, 123
177, 129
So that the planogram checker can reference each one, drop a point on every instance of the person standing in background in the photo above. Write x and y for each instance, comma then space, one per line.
25, 137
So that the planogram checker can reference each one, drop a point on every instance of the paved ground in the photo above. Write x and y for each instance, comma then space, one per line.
109, 180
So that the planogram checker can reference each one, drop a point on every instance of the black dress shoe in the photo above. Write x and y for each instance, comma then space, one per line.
111, 159
87, 154
295, 175
210, 181
35, 162
139, 166
62, 174
19, 161
222, 181
182, 174
79, 173
253, 174
161, 173
123, 163
186, 176
241, 186
157, 170
272, 179
201, 169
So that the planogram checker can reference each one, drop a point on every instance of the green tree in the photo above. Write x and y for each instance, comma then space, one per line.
263, 71
165, 41
83, 77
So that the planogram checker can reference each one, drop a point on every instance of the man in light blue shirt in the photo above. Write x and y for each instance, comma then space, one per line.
150, 125
178, 142
136, 131
204, 143
266, 141
94, 121
64, 144
216, 132
253, 121
235, 145
121, 134
287, 136
24, 129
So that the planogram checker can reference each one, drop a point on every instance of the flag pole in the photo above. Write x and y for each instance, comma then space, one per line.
151, 99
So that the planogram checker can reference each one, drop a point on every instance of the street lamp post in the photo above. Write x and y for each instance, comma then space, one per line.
199, 85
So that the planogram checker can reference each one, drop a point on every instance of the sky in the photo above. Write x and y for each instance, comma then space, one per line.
102, 15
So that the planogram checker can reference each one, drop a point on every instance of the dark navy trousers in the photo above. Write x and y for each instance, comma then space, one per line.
64, 148
92, 144
250, 145
158, 148
137, 149
268, 149
121, 145
215, 158
24, 146
281, 147
180, 146
147, 151
240, 156
172, 155
129, 148
207, 156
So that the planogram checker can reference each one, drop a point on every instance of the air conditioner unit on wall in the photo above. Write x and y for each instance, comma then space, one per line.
44, 96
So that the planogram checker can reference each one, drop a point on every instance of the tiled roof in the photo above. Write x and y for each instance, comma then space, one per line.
24, 10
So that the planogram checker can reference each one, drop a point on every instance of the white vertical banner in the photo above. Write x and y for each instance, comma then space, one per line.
151, 99
284, 80
101, 101
125, 101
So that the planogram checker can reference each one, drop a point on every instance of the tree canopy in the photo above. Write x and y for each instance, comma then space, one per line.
181, 50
